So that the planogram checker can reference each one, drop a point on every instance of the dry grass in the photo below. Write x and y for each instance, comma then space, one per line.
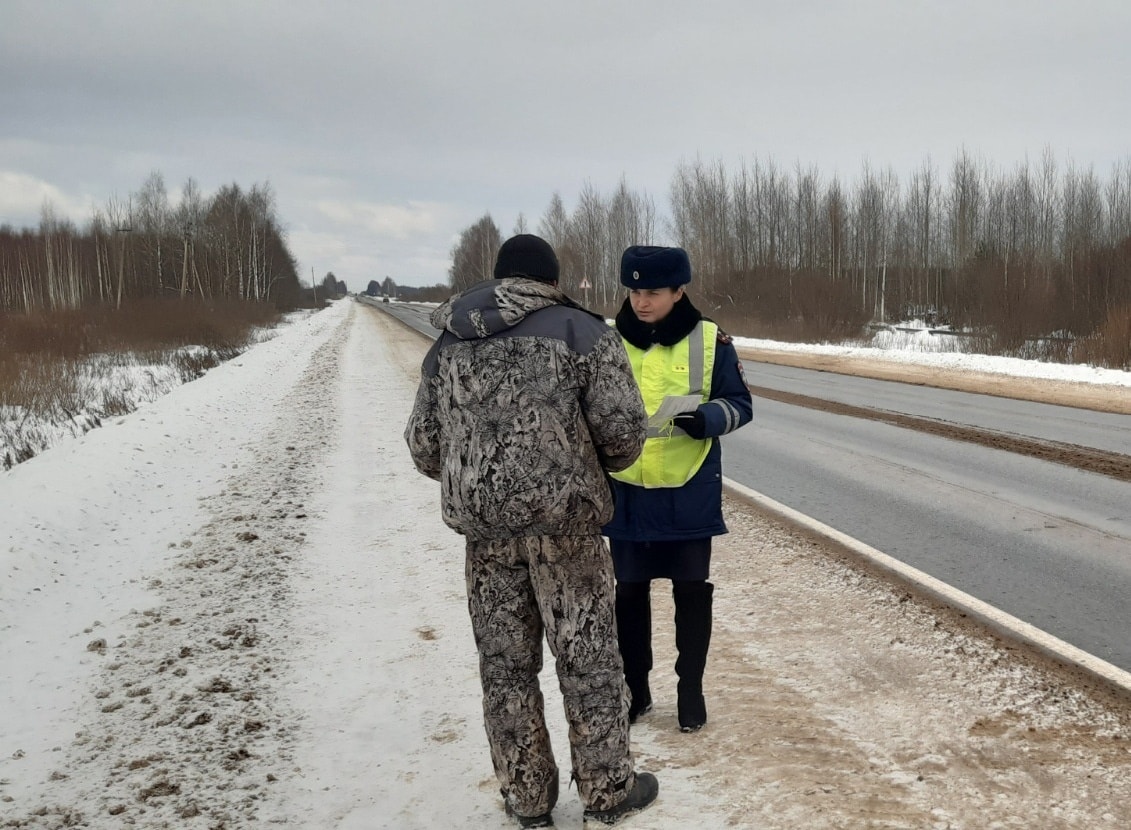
140, 327
54, 367
1110, 346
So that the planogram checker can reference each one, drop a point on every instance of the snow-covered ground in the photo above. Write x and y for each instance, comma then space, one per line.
922, 348
238, 606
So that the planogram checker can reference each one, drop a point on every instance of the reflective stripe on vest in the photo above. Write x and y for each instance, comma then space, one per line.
670, 456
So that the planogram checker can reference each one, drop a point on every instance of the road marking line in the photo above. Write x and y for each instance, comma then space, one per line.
1005, 624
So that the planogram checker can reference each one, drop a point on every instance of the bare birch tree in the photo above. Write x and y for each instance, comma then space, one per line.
151, 229
589, 239
554, 228
473, 256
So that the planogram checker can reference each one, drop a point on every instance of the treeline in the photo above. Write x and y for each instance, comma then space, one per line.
228, 246
1039, 251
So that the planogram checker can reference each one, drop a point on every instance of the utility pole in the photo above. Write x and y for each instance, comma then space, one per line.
314, 286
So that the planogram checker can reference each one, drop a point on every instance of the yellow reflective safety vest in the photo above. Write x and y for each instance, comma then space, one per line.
671, 457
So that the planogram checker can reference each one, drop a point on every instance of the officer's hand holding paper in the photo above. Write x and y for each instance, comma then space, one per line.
671, 406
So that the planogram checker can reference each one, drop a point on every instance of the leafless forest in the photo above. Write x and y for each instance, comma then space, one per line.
1040, 253
141, 283
226, 247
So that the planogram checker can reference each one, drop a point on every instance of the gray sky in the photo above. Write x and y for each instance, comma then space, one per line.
387, 128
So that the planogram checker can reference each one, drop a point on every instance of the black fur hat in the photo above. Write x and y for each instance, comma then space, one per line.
651, 266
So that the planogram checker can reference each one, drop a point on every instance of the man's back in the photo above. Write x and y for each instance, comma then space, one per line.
526, 399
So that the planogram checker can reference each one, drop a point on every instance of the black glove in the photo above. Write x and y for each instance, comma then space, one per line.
693, 423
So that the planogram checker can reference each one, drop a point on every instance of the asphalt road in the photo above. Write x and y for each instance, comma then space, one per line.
412, 315
1063, 424
1043, 541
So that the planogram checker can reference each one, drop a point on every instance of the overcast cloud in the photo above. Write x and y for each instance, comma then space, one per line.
387, 128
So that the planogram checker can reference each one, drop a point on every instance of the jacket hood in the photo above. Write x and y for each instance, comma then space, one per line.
494, 306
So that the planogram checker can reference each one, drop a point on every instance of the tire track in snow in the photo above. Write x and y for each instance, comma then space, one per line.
183, 726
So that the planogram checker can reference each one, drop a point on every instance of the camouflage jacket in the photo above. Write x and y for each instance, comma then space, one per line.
525, 400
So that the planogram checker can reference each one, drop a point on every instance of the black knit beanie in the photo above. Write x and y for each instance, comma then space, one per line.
527, 255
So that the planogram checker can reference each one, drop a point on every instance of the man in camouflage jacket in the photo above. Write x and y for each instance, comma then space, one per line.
525, 401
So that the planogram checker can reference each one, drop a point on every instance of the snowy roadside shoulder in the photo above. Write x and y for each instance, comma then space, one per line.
383, 666
100, 537
839, 700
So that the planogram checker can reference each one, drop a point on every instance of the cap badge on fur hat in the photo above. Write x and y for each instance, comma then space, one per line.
527, 255
653, 266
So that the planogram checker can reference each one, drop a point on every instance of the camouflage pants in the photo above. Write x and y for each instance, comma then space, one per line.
563, 585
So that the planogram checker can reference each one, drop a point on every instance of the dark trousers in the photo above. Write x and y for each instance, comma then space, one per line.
693, 612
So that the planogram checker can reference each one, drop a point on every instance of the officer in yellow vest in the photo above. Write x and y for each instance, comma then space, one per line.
669, 502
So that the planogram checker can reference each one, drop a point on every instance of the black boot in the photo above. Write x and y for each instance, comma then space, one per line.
692, 639
634, 635
643, 793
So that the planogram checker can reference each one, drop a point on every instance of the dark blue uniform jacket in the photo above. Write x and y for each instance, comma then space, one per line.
693, 511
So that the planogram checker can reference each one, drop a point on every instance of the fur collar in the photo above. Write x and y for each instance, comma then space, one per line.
677, 325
